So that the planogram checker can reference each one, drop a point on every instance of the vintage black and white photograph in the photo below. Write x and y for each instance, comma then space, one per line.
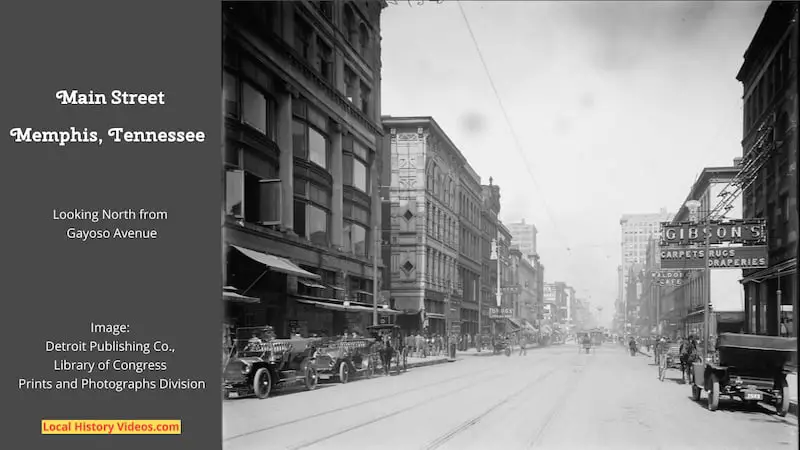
509, 224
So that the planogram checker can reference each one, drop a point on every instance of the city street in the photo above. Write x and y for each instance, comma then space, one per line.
555, 397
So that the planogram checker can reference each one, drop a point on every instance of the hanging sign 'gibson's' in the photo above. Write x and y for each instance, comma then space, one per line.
747, 231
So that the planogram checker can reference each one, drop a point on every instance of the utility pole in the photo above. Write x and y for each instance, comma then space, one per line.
377, 248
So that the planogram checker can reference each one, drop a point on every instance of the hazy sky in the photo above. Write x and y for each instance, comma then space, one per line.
616, 105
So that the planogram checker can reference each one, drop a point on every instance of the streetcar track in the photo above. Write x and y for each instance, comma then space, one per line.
537, 438
475, 420
354, 405
388, 415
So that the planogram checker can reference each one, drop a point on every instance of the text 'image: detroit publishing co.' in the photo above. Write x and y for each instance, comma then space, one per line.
490, 224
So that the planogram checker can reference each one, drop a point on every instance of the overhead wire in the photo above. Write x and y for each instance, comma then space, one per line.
518, 145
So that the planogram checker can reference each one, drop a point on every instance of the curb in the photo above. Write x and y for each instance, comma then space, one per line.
428, 363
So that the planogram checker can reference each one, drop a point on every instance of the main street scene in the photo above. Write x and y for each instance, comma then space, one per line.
509, 225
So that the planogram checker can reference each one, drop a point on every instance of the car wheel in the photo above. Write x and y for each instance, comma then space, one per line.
312, 378
344, 373
713, 394
782, 402
262, 383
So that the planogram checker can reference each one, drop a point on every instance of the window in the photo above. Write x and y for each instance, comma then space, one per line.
325, 7
355, 239
230, 94
349, 23
309, 134
254, 108
363, 38
351, 84
365, 97
325, 60
252, 189
311, 212
302, 38
355, 165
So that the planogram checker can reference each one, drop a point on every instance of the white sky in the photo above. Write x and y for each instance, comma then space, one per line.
617, 107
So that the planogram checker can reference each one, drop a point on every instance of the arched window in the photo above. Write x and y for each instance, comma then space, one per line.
349, 23
363, 39
429, 182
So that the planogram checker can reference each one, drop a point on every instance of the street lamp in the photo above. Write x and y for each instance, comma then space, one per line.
693, 206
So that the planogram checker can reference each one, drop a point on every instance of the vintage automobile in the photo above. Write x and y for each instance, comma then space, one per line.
343, 358
749, 367
262, 363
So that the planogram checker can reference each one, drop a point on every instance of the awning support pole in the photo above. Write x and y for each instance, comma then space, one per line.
254, 282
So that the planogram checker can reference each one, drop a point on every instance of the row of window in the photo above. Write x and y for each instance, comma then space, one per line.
770, 84
469, 243
255, 107
441, 225
441, 269
469, 209
318, 52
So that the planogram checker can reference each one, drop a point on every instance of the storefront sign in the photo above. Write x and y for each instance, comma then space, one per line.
510, 290
745, 231
501, 313
754, 257
668, 277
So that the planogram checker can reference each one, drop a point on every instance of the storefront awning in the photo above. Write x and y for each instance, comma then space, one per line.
530, 327
276, 263
780, 269
337, 306
311, 284
434, 316
234, 297
514, 323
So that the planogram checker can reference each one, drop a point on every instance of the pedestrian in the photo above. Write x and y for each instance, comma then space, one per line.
522, 349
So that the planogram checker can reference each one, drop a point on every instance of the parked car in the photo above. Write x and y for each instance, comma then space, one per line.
345, 358
262, 363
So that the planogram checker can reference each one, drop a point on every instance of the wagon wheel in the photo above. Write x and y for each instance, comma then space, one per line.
370, 371
311, 379
713, 394
262, 383
695, 392
344, 373
782, 401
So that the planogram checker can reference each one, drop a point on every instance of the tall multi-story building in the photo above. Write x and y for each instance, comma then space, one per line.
301, 98
425, 223
523, 235
527, 283
636, 231
492, 233
769, 150
683, 306
469, 244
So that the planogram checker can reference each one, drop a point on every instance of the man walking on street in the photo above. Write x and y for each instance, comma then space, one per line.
522, 349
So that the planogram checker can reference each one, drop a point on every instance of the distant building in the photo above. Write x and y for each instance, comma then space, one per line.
523, 236
636, 231
769, 148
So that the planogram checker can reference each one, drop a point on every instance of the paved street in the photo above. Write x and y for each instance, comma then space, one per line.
553, 398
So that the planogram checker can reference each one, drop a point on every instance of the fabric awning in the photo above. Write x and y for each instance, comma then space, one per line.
530, 327
311, 284
234, 297
341, 307
780, 269
514, 323
276, 263
363, 292
434, 315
